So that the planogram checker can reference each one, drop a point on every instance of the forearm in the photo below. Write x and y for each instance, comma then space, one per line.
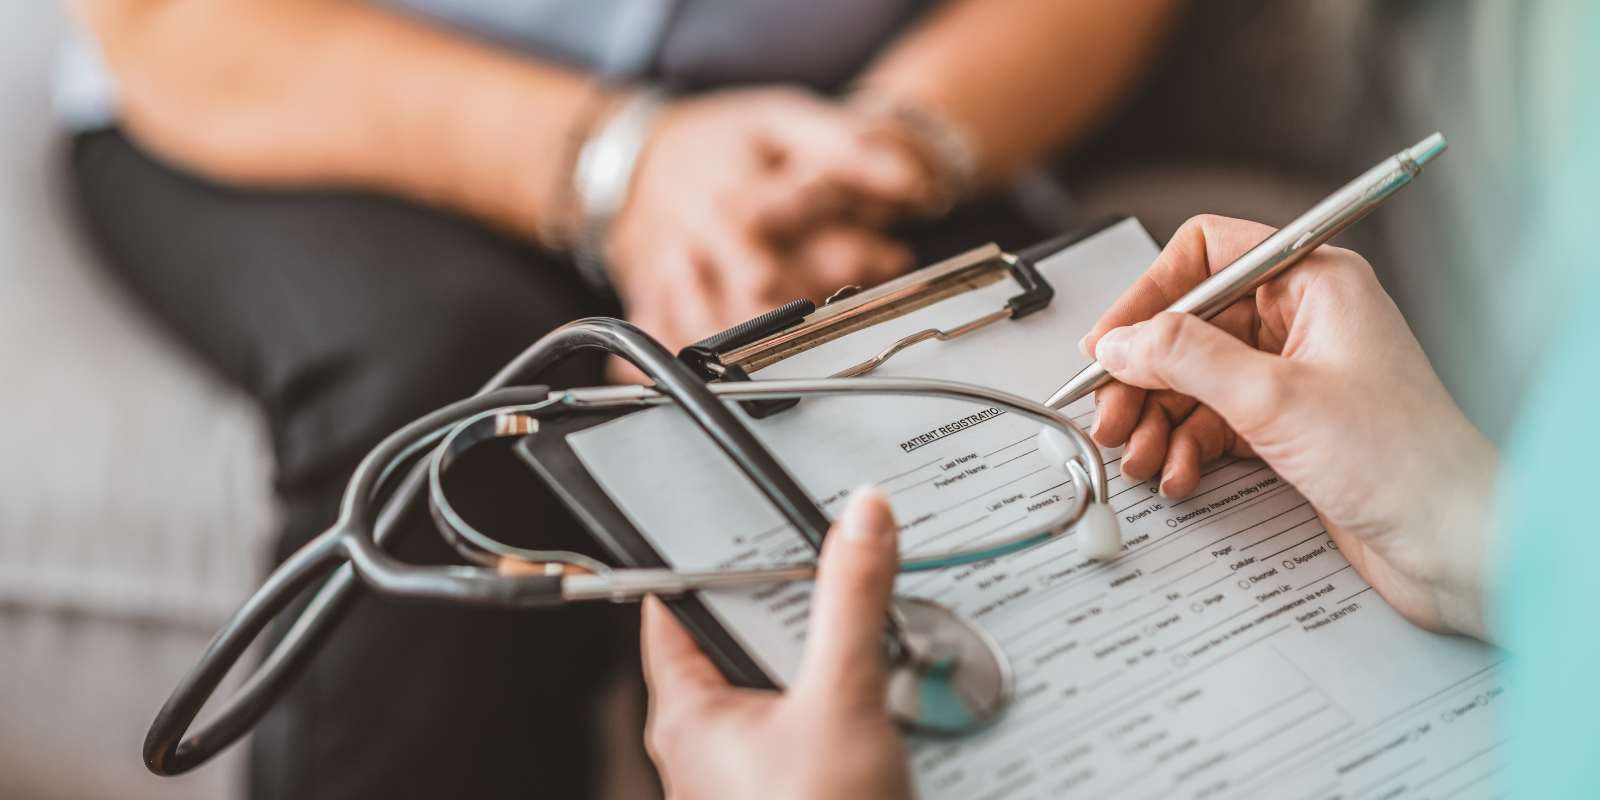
1022, 77
339, 93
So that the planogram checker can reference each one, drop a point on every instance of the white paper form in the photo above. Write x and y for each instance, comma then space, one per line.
1229, 652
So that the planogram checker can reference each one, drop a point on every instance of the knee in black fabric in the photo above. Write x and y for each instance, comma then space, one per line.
347, 315
442, 346
416, 335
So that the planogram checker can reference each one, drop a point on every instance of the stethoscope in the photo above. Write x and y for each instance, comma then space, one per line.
946, 675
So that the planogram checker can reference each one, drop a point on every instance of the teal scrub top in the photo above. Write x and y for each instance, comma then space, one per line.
1550, 598
1547, 547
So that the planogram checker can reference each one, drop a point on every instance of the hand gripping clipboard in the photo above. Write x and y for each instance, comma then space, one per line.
746, 348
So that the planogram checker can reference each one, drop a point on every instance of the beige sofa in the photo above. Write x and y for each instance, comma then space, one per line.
135, 499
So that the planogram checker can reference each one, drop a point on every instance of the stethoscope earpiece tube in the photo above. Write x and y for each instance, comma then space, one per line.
354, 541
354, 547
166, 751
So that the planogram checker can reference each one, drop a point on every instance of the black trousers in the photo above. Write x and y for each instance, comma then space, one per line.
346, 315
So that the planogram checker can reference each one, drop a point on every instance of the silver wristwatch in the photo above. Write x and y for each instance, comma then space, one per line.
601, 177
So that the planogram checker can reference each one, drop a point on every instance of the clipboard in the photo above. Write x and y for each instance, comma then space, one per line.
766, 340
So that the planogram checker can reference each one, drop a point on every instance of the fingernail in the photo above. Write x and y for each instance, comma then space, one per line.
1094, 422
859, 523
1112, 349
1161, 488
1083, 346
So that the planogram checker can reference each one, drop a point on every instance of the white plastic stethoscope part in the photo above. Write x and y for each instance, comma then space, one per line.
1099, 537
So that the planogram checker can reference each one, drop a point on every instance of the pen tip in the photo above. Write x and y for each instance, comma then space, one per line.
1428, 149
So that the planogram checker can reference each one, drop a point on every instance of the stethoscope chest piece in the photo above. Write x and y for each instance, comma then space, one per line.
946, 675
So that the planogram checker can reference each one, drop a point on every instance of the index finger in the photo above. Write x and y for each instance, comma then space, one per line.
1203, 246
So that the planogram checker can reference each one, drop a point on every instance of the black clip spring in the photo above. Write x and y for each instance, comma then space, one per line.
704, 357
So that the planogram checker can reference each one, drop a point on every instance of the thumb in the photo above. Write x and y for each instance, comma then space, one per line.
844, 656
1188, 355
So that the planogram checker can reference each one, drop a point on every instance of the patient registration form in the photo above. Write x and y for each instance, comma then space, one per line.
1230, 651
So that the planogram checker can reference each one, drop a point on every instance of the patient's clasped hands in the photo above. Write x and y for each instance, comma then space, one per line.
744, 200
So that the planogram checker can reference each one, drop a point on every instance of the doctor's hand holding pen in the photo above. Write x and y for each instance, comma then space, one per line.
1317, 374
828, 735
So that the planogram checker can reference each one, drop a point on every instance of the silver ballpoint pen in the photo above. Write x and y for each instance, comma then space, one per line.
1281, 250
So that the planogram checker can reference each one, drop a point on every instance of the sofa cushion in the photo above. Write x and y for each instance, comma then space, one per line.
135, 488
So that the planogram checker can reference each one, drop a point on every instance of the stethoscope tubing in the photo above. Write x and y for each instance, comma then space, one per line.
1089, 483
168, 750
354, 547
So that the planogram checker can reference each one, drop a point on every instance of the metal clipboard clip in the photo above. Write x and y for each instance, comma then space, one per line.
799, 326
